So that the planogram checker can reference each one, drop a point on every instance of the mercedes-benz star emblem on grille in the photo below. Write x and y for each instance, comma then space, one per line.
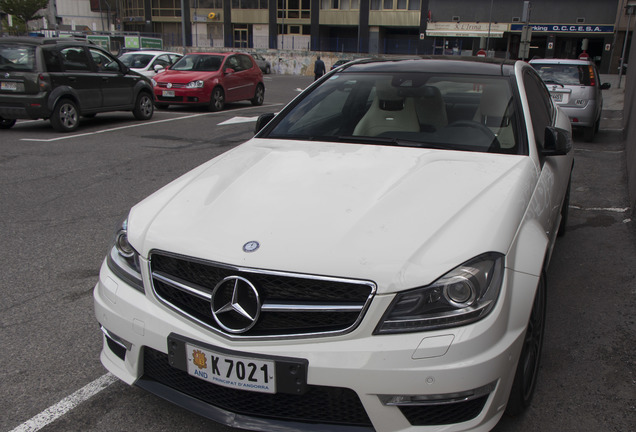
251, 246
6, 75
169, 85
235, 304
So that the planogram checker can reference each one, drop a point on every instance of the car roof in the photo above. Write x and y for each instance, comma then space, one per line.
435, 64
560, 61
225, 54
45, 41
151, 52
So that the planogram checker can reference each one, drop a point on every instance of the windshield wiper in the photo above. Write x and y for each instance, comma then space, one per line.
388, 141
553, 82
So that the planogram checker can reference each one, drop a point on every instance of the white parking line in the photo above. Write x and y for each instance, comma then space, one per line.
54, 412
65, 137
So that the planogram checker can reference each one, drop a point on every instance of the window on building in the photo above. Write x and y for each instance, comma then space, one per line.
169, 8
414, 5
132, 8
401, 4
388, 4
375, 4
209, 4
294, 9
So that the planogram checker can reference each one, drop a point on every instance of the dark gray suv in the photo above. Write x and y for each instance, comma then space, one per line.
62, 79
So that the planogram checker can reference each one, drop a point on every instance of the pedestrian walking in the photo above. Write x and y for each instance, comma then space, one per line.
319, 68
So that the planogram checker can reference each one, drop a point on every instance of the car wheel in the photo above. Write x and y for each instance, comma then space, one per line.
144, 107
6, 123
588, 133
259, 95
528, 367
65, 116
217, 99
565, 210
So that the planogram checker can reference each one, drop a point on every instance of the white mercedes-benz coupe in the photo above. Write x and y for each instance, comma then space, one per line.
373, 259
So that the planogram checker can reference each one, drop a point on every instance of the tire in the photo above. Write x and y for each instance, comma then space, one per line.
6, 123
217, 99
565, 211
65, 116
528, 366
259, 95
144, 106
588, 133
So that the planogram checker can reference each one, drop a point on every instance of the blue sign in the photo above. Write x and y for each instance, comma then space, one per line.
565, 28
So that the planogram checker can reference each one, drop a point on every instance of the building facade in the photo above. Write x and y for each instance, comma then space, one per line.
559, 28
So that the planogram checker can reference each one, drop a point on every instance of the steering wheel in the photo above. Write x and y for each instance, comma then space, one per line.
495, 146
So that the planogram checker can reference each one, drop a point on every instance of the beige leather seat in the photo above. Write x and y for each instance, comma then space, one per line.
495, 111
431, 109
388, 112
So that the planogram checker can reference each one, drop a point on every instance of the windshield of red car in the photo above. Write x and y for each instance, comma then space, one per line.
455, 112
198, 62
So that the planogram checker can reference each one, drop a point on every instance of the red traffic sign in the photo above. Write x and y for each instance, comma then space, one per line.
481, 53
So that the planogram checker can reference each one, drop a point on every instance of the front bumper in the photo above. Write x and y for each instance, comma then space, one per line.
369, 378
183, 96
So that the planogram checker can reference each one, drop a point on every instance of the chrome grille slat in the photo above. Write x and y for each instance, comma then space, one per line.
293, 305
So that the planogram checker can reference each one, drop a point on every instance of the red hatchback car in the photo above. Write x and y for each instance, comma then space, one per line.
210, 79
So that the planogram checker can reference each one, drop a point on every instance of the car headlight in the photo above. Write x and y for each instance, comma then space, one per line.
154, 83
195, 84
462, 296
123, 260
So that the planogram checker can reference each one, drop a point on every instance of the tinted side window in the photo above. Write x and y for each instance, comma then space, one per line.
75, 58
246, 62
52, 60
103, 62
540, 105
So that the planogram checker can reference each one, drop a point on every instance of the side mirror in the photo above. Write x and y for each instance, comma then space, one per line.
262, 121
606, 86
158, 68
557, 142
228, 71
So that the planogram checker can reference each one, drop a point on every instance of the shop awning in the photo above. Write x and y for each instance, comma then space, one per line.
463, 33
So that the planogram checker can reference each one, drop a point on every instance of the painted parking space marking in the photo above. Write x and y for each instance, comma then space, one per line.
56, 411
66, 137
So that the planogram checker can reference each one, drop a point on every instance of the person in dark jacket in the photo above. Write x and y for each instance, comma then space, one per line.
319, 68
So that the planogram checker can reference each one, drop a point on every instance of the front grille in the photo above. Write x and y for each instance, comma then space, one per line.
444, 414
320, 404
304, 305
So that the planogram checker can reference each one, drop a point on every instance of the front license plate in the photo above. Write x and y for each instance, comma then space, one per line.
168, 93
557, 97
243, 373
9, 86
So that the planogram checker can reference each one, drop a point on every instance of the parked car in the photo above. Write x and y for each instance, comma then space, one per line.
264, 64
575, 86
62, 79
210, 79
149, 63
373, 259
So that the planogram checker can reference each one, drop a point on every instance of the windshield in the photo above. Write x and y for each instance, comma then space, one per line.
565, 74
455, 112
17, 57
137, 61
196, 62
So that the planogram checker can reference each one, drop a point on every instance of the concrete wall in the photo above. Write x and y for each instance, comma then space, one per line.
629, 124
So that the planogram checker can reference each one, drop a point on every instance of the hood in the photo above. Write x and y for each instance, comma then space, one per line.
400, 217
184, 77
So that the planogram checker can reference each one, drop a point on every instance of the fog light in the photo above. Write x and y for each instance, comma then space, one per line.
437, 399
123, 246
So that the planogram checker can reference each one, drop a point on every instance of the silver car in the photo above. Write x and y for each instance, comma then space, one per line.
575, 86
